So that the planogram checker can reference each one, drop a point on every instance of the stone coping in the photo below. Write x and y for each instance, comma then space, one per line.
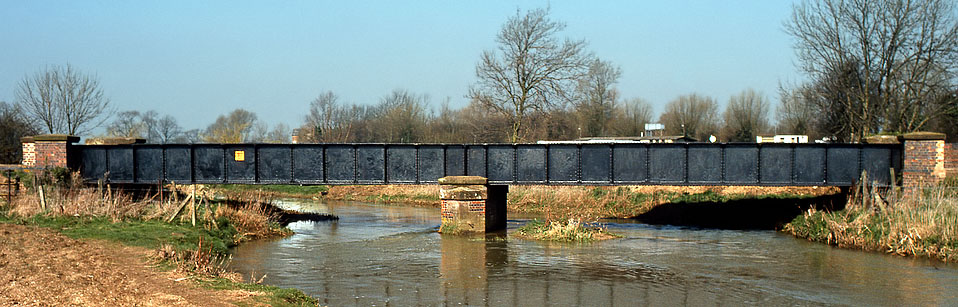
922, 136
463, 180
114, 141
56, 138
27, 139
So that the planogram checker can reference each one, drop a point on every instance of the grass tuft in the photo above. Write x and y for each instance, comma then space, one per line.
571, 230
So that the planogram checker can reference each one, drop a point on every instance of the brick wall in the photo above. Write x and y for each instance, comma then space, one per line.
47, 150
51, 154
951, 159
924, 162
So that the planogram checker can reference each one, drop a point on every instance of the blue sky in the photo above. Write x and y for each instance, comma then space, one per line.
196, 60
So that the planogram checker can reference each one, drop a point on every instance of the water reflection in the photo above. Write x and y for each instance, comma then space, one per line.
383, 255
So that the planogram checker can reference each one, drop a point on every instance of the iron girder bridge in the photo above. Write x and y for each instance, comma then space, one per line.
550, 164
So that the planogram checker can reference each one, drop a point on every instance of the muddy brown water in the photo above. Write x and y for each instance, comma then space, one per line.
381, 255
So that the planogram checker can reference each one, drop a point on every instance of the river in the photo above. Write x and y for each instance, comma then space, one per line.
381, 255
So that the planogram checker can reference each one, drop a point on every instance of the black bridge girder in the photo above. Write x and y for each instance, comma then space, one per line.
555, 164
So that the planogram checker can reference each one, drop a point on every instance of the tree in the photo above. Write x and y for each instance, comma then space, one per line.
167, 130
746, 116
794, 115
62, 100
236, 127
895, 59
690, 115
328, 120
147, 125
631, 117
12, 128
279, 134
127, 124
597, 103
401, 117
531, 70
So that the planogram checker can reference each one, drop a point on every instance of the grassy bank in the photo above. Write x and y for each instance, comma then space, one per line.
189, 236
909, 222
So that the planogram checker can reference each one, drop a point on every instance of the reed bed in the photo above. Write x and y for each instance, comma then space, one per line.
914, 221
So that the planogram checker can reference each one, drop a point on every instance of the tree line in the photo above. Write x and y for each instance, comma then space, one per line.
872, 66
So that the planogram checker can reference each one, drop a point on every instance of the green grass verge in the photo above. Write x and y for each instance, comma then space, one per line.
142, 233
275, 296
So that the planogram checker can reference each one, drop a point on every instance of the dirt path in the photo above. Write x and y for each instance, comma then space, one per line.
39, 266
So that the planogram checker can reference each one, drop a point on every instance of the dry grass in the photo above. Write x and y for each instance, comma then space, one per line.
913, 221
589, 203
197, 261
77, 200
252, 220
562, 202
571, 230
417, 195
249, 213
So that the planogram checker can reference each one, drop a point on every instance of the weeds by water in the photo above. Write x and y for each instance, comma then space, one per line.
909, 221
571, 230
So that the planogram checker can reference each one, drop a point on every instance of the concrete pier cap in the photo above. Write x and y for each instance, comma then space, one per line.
470, 205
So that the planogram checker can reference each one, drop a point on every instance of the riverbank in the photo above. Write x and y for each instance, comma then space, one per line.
920, 224
588, 202
909, 222
79, 245
570, 213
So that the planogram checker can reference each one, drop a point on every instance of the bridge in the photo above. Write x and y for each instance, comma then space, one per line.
502, 164
474, 179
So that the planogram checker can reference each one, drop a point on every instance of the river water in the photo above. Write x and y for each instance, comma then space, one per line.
380, 255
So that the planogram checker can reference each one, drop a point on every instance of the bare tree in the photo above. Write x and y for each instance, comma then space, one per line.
794, 114
167, 130
531, 70
127, 124
691, 115
631, 117
279, 134
189, 136
402, 117
236, 127
328, 120
746, 116
597, 101
12, 128
61, 99
897, 58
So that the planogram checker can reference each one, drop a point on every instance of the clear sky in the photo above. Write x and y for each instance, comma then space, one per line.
196, 60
